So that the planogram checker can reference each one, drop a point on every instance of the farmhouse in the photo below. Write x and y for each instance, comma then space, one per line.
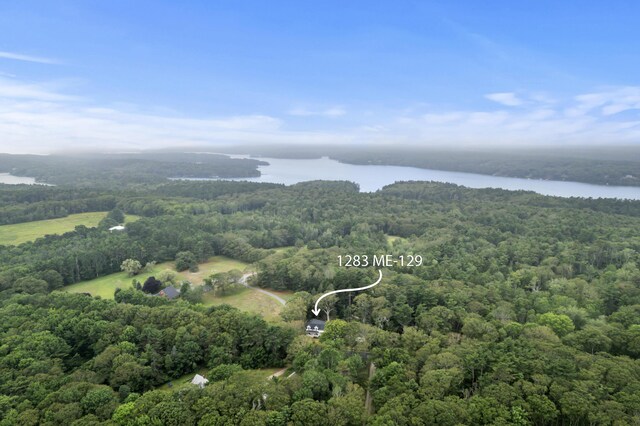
169, 292
315, 327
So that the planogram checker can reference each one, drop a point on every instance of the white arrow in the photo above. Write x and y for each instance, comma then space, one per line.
316, 311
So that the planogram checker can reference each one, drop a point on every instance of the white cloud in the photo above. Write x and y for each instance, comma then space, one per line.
335, 111
542, 98
26, 58
10, 88
614, 109
37, 117
373, 129
488, 118
505, 98
609, 102
442, 118
581, 119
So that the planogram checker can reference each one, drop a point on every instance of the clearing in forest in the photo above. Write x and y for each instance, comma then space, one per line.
106, 286
19, 233
245, 299
251, 300
184, 381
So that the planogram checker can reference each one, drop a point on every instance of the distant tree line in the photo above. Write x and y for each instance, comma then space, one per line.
119, 170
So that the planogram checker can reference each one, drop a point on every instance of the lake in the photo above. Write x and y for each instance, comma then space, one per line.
374, 177
17, 180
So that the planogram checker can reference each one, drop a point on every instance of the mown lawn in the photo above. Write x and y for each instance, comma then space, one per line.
184, 381
214, 265
106, 286
245, 299
250, 300
19, 233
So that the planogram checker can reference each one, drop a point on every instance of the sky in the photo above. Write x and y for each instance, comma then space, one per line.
128, 75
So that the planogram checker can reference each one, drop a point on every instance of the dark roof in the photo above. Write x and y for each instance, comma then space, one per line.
316, 322
170, 292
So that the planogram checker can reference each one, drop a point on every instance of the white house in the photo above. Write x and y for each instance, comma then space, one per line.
199, 381
116, 228
315, 327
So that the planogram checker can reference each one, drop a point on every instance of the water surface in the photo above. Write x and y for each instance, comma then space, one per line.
17, 180
374, 177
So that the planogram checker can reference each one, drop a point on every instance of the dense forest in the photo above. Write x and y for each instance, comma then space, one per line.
526, 310
109, 170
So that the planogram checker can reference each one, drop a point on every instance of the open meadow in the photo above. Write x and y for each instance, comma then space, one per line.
243, 298
250, 300
19, 233
257, 374
106, 286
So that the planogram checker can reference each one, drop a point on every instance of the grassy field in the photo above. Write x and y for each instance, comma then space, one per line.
106, 286
28, 231
245, 299
184, 381
250, 300
213, 266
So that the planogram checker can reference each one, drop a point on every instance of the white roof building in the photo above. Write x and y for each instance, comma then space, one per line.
315, 327
116, 228
199, 381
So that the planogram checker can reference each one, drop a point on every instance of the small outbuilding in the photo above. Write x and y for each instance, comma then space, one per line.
315, 327
116, 228
199, 381
169, 292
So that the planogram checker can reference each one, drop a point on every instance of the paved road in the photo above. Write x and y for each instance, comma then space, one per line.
244, 279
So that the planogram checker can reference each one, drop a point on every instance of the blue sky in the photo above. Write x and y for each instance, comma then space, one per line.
139, 74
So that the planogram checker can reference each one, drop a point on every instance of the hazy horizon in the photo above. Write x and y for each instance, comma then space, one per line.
617, 151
